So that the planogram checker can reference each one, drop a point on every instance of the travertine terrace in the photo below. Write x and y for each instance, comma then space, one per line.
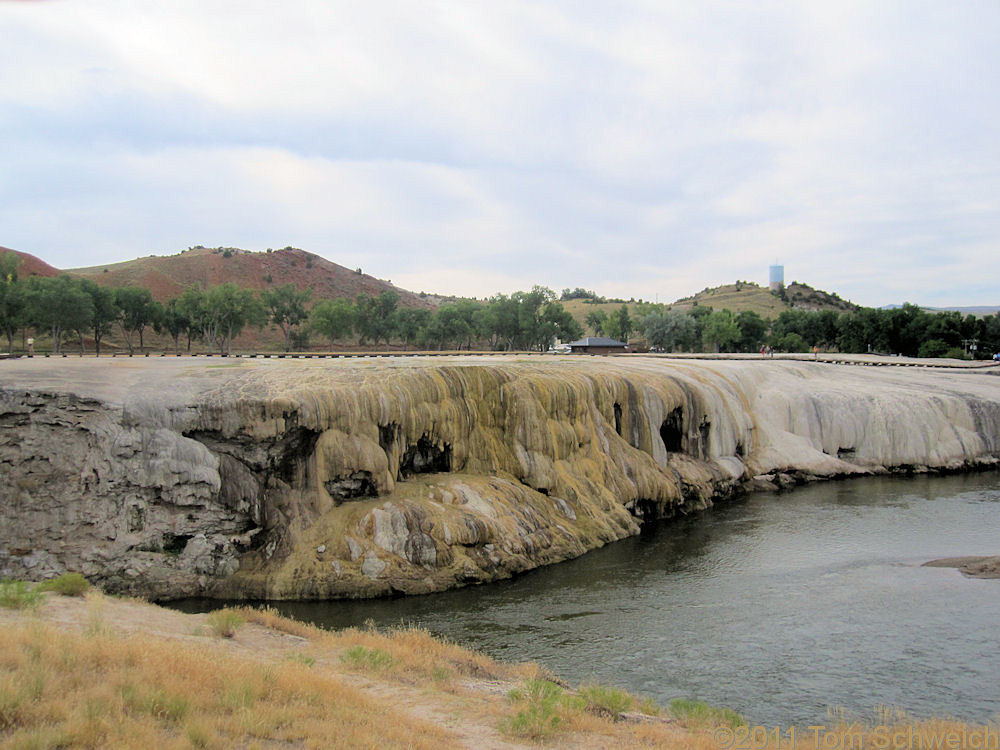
317, 478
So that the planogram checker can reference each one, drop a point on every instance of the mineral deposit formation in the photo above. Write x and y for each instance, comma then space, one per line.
309, 478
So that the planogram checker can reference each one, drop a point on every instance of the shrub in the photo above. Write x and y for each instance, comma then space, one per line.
224, 622
68, 584
18, 595
955, 353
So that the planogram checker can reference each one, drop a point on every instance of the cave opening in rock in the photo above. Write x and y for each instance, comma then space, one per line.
388, 434
618, 418
672, 431
174, 544
425, 457
293, 450
358, 484
704, 430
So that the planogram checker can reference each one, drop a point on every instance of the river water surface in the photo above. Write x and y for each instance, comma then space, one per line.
778, 606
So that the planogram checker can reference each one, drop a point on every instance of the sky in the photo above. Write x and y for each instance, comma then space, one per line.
642, 148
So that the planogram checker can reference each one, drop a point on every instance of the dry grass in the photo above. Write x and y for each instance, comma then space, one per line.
414, 653
89, 683
269, 618
417, 656
60, 689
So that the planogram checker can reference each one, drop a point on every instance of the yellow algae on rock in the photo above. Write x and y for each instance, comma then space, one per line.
338, 478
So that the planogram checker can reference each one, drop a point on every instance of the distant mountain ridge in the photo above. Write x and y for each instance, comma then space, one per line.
971, 310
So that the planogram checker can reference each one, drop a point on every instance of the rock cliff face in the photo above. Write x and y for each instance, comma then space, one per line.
352, 478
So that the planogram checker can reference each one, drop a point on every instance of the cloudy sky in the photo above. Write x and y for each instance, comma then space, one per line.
639, 148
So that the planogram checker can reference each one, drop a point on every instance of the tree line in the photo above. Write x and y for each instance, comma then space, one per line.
69, 308
908, 330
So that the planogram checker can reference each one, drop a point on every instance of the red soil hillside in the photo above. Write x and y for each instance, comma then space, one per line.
167, 276
29, 265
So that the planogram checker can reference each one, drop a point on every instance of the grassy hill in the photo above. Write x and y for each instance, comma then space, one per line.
29, 265
740, 296
167, 276
746, 295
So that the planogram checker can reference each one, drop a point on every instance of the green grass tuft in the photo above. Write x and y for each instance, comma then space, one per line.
606, 701
543, 705
224, 622
68, 584
699, 713
367, 658
19, 595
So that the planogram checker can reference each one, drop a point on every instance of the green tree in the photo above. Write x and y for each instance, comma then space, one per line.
619, 324
58, 304
228, 310
105, 312
530, 334
410, 324
932, 348
557, 323
174, 320
13, 301
597, 320
669, 330
721, 331
700, 313
286, 308
862, 331
501, 321
191, 307
447, 327
375, 320
332, 318
524, 320
793, 342
136, 310
468, 311
753, 330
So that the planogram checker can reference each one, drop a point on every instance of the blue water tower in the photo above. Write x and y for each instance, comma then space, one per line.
776, 278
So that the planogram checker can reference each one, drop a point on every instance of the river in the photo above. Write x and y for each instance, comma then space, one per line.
778, 606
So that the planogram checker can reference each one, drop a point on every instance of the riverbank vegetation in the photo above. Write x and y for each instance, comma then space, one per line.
67, 310
98, 671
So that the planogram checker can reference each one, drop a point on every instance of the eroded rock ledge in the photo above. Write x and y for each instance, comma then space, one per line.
973, 567
352, 478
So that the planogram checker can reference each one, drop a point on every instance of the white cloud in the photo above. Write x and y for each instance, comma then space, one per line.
642, 148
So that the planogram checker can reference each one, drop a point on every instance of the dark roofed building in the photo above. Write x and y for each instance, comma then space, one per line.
598, 345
